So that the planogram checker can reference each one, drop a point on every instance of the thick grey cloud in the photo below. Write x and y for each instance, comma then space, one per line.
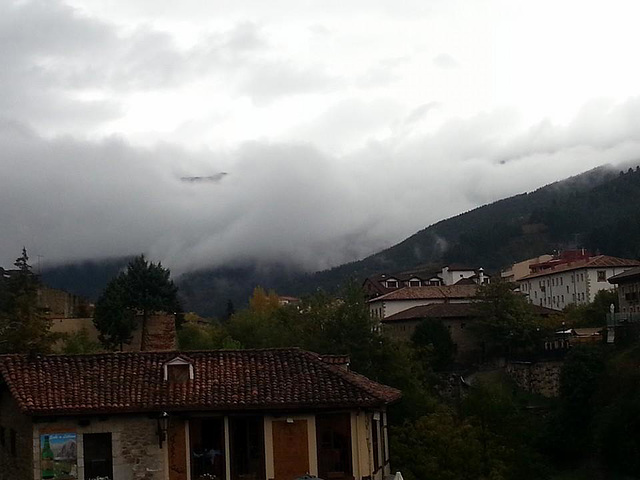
68, 199
342, 126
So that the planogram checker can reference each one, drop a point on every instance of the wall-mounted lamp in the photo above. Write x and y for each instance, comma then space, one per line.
163, 426
289, 420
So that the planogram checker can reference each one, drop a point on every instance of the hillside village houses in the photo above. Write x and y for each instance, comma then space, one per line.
573, 277
384, 283
401, 301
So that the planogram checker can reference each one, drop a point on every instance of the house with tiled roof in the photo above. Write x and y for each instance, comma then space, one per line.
233, 415
384, 283
405, 298
556, 285
456, 317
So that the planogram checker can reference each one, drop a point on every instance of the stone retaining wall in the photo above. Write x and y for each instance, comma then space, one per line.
542, 378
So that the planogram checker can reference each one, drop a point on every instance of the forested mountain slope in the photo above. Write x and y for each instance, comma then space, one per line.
597, 210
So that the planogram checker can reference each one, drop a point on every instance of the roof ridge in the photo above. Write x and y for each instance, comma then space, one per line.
146, 352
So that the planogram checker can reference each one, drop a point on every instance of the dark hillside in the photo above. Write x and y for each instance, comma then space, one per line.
597, 210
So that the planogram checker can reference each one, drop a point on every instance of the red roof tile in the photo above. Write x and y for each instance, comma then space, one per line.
224, 380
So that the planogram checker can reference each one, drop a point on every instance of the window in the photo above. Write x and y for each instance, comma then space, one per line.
246, 437
333, 437
392, 284
462, 325
602, 275
178, 373
98, 458
178, 370
561, 281
562, 298
375, 442
535, 294
12, 442
567, 288
206, 438
414, 283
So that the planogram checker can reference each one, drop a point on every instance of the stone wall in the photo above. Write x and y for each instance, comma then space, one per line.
14, 466
135, 449
542, 378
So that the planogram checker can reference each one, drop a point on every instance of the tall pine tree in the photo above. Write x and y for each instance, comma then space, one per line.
144, 288
23, 328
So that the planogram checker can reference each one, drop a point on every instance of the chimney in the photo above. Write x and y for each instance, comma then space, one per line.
160, 333
481, 276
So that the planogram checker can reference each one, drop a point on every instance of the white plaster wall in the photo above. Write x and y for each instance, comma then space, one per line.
565, 288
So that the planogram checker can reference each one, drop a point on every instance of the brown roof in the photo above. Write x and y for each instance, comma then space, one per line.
435, 310
450, 310
224, 380
599, 261
430, 292
628, 276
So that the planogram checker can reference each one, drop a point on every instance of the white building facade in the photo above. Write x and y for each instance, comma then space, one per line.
574, 282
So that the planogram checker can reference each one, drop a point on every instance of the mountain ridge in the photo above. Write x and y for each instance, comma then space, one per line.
594, 209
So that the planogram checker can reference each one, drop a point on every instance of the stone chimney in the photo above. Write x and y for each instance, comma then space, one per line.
160, 333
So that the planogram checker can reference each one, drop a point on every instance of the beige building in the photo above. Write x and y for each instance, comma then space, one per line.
230, 415
521, 269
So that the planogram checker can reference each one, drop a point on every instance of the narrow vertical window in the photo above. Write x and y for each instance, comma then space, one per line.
12, 442
375, 443
98, 458
333, 436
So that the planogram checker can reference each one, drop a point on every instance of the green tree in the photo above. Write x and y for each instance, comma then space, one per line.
441, 446
144, 288
23, 328
506, 320
593, 314
80, 343
113, 317
434, 344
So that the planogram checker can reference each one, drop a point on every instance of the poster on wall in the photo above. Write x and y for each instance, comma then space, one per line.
58, 456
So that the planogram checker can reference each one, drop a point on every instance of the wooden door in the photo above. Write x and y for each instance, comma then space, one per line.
177, 445
290, 449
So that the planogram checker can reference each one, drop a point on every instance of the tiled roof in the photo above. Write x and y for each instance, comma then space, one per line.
224, 380
435, 310
627, 276
430, 292
599, 261
450, 310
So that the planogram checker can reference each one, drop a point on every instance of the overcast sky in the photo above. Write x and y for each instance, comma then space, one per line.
342, 126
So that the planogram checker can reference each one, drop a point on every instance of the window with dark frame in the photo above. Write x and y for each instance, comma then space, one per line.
178, 373
206, 437
98, 457
375, 442
12, 442
246, 438
602, 275
333, 436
